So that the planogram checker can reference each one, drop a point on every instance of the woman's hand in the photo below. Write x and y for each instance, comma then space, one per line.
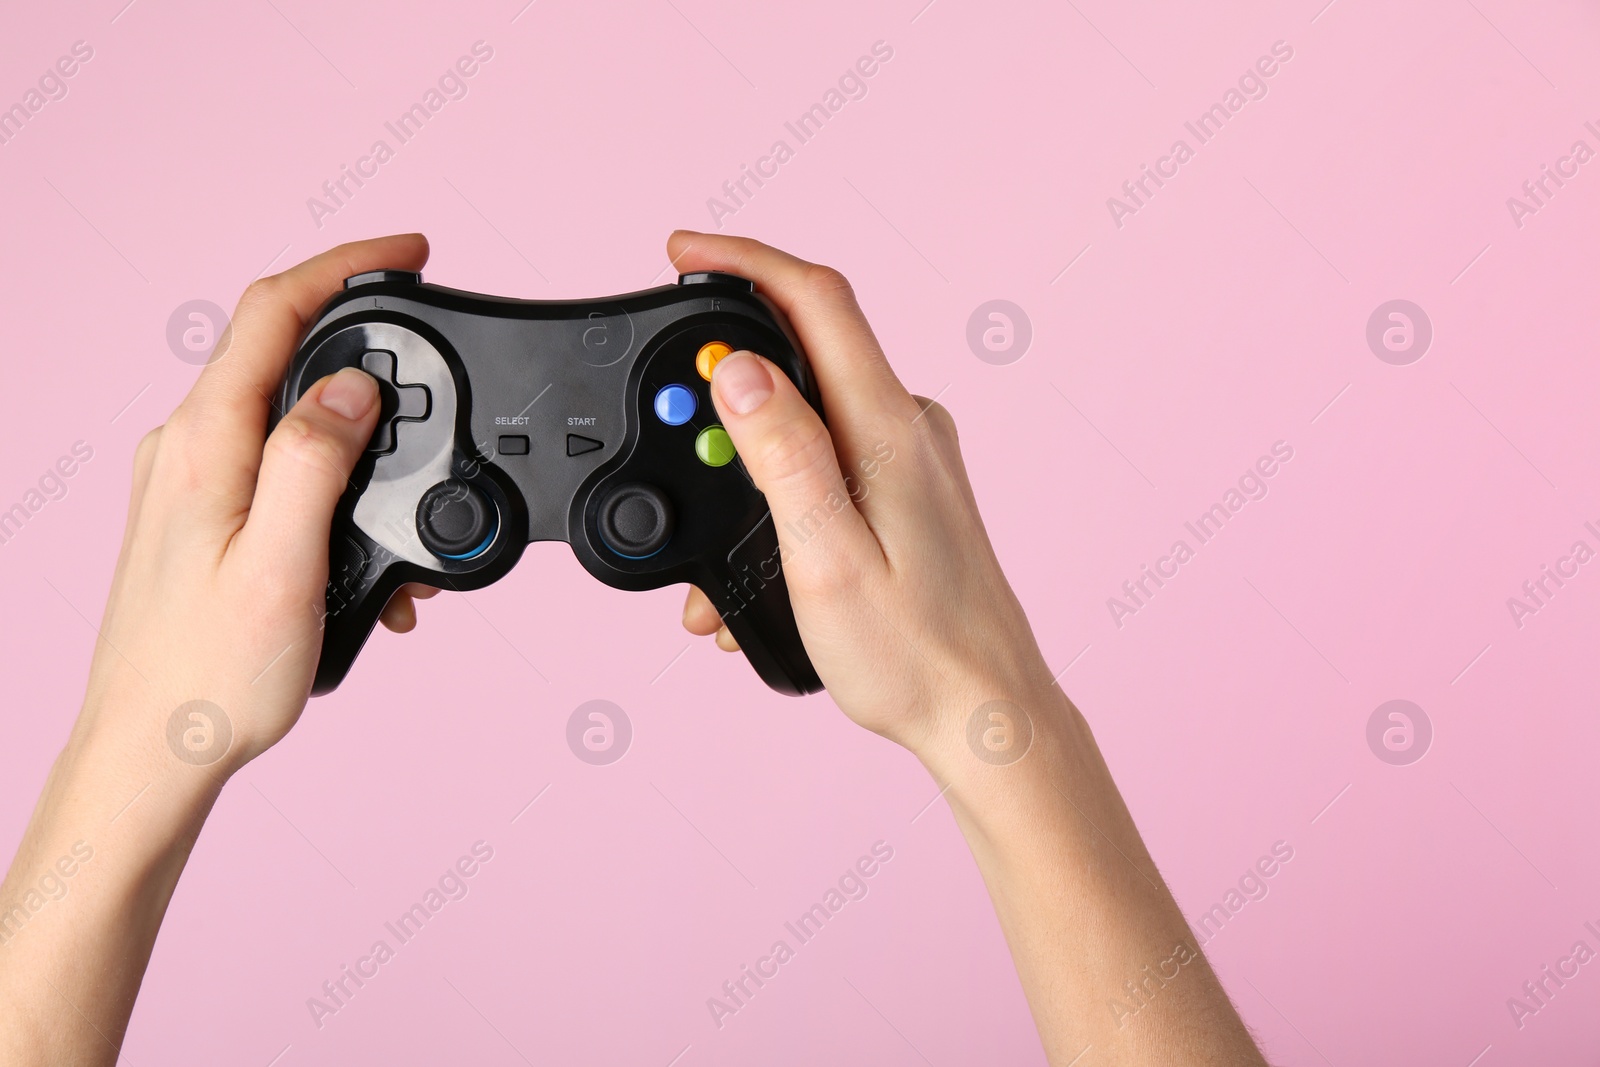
205, 659
917, 635
218, 595
899, 597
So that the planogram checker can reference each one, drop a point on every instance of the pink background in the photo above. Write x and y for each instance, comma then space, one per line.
1227, 314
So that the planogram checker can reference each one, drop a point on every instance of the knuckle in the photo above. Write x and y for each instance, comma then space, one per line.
144, 453
259, 300
180, 426
281, 592
272, 586
822, 577
300, 445
934, 434
180, 440
177, 454
797, 449
261, 291
826, 283
936, 445
938, 420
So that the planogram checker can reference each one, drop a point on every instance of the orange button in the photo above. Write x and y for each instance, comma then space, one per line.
709, 356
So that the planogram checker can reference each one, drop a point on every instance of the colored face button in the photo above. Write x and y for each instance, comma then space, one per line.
709, 356
675, 404
714, 446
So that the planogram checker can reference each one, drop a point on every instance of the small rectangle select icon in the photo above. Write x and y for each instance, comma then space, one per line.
513, 444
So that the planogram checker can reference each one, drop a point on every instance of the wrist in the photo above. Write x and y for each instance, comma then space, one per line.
991, 714
162, 724
1035, 794
129, 754
1000, 766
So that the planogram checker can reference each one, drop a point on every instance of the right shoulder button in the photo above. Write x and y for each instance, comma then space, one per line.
704, 276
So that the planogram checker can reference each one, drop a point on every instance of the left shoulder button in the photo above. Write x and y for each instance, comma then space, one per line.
409, 277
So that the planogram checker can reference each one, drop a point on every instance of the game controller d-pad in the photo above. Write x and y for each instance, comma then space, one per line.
397, 401
509, 421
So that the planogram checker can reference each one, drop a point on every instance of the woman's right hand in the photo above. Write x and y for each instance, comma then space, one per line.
899, 598
914, 629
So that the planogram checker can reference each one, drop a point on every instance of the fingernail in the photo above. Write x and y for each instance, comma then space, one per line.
742, 382
350, 393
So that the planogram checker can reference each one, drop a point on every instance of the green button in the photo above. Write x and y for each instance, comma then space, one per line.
714, 446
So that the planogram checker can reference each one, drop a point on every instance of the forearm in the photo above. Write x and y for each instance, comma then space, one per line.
1103, 952
86, 892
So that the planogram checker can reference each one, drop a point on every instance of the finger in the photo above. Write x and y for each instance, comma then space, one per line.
273, 310
305, 468
225, 414
856, 379
400, 614
791, 459
700, 616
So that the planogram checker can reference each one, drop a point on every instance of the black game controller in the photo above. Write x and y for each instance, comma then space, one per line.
508, 421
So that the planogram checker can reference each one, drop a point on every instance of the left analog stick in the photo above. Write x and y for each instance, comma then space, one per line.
456, 521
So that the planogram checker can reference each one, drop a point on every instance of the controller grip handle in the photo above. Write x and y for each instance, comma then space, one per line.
361, 579
750, 593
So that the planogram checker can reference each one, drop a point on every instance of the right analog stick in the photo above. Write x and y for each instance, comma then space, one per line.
635, 520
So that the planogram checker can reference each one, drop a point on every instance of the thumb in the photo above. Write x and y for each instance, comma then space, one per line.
787, 451
305, 469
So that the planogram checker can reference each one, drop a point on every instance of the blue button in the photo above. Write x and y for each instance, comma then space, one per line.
675, 404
